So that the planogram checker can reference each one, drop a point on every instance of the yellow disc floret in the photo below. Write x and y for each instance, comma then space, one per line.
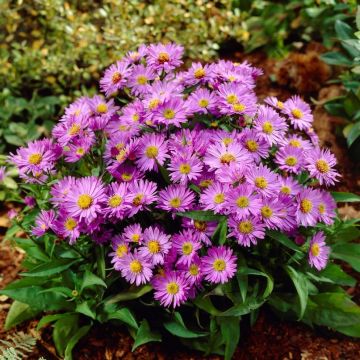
84, 201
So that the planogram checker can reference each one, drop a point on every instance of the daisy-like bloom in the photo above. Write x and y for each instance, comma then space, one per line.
102, 111
66, 226
320, 164
133, 114
247, 231
202, 101
254, 145
141, 194
184, 168
156, 244
127, 173
140, 78
162, 57
135, 268
214, 197
78, 109
120, 247
60, 190
114, 145
116, 201
30, 201
78, 148
202, 229
186, 245
115, 77
233, 174
271, 213
219, 265
193, 271
289, 186
71, 129
219, 155
171, 289
290, 159
307, 212
176, 198
318, 252
327, 207
242, 201
43, 222
198, 74
85, 200
152, 150
171, 112
287, 214
274, 102
133, 234
270, 125
297, 142
263, 180
298, 112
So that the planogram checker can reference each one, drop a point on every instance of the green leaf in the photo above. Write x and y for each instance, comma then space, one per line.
164, 173
343, 30
91, 279
85, 308
47, 319
220, 232
64, 330
80, 333
205, 304
301, 285
345, 197
349, 253
283, 239
133, 293
358, 18
334, 274
335, 58
353, 134
269, 280
230, 331
201, 215
124, 315
18, 313
145, 335
54, 267
177, 327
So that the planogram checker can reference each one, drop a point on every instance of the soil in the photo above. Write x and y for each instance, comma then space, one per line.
270, 338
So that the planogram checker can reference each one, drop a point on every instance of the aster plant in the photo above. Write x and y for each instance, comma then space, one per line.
178, 205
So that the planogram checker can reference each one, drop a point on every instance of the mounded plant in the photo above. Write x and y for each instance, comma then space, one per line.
177, 205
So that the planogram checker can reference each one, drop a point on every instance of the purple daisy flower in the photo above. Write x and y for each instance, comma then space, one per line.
135, 268
308, 202
327, 207
274, 102
193, 271
203, 229
202, 101
263, 180
290, 159
78, 149
141, 194
318, 252
214, 197
186, 245
299, 113
289, 186
320, 164
254, 145
184, 168
171, 112
219, 265
66, 226
156, 244
44, 221
171, 289
127, 173
120, 247
271, 213
61, 190
115, 77
102, 111
140, 78
176, 198
247, 231
162, 57
133, 234
30, 201
198, 74
116, 201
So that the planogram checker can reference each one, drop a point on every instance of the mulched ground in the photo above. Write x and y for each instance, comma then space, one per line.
270, 338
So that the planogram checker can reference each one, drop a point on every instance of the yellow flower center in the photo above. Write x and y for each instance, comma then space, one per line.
295, 143
136, 117
153, 103
227, 141
251, 145
261, 182
163, 57
35, 159
205, 183
102, 108
245, 227
175, 202
238, 107
266, 211
203, 103
227, 158
121, 250
306, 206
135, 238
80, 151
291, 161
141, 80
120, 157
194, 270
199, 73
297, 113
219, 198
126, 177
152, 152
75, 128
322, 208
70, 224
267, 127
115, 201
116, 77
187, 248
322, 166
169, 114
135, 266
138, 199
185, 169
200, 225
219, 265
280, 104
172, 288
286, 190
232, 99
153, 246
123, 128
84, 201
315, 249
242, 202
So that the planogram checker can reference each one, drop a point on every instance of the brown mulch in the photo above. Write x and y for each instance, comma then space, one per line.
270, 338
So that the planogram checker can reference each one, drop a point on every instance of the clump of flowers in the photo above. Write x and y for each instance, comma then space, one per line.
177, 173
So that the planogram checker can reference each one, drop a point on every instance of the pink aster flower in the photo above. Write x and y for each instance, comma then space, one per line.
152, 150
186, 245
43, 222
263, 180
320, 164
86, 198
219, 265
171, 289
327, 207
298, 112
117, 202
318, 252
30, 201
202, 101
140, 78
78, 148
289, 186
102, 111
120, 249
73, 128
115, 77
141, 194
257, 147
214, 197
308, 202
60, 190
290, 159
247, 231
156, 244
198, 74
176, 198
171, 112
162, 57
66, 226
135, 268
184, 168
271, 213
133, 234
202, 229
127, 173
297, 142
274, 102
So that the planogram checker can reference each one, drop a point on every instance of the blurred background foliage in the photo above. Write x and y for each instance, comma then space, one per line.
52, 51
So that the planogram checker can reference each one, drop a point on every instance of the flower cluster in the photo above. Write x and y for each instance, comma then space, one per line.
164, 145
